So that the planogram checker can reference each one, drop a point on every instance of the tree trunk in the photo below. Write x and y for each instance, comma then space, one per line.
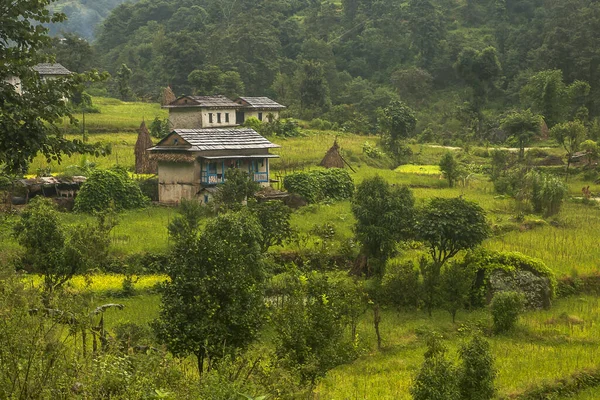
200, 359
376, 321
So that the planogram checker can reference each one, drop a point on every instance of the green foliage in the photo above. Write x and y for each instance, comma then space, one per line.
279, 127
122, 87
253, 123
31, 120
159, 128
477, 372
450, 168
591, 149
569, 135
547, 94
506, 308
400, 285
546, 193
397, 123
310, 325
511, 263
448, 226
274, 219
319, 184
238, 187
213, 303
111, 188
436, 380
384, 215
212, 80
521, 127
57, 252
456, 282
371, 151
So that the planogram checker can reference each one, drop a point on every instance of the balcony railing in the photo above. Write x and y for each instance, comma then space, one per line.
215, 179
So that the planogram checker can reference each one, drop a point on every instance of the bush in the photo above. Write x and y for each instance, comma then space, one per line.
546, 193
506, 308
149, 188
253, 123
109, 188
400, 284
315, 185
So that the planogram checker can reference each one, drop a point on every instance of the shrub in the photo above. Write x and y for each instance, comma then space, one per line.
450, 168
315, 185
253, 123
477, 372
400, 284
506, 308
546, 193
149, 188
109, 188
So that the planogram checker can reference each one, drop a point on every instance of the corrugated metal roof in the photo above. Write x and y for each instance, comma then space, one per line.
208, 139
261, 102
51, 69
205, 101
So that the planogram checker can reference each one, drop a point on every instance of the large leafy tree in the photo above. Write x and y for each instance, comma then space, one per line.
547, 94
447, 226
384, 215
397, 122
29, 121
213, 302
522, 127
570, 135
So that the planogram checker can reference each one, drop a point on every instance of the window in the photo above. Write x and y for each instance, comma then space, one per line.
210, 119
226, 117
218, 118
205, 198
260, 116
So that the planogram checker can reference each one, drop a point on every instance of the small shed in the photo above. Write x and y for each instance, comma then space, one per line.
143, 163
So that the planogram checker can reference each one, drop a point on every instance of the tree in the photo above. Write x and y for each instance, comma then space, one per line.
455, 286
397, 122
447, 226
479, 70
477, 372
57, 252
212, 80
29, 120
522, 127
547, 95
592, 151
569, 135
436, 380
274, 219
314, 91
450, 168
384, 215
213, 303
238, 187
427, 30
122, 81
506, 308
310, 325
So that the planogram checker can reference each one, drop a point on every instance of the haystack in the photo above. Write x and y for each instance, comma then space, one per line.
333, 158
544, 131
167, 96
143, 164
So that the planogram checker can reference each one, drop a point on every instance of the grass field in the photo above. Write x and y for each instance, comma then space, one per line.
544, 348
548, 345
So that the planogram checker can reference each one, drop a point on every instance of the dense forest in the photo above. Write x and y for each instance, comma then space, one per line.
459, 64
83, 16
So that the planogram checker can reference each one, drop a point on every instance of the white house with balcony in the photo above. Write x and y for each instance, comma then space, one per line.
192, 162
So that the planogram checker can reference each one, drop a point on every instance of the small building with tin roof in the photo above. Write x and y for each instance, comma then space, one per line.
195, 112
51, 70
192, 160
262, 108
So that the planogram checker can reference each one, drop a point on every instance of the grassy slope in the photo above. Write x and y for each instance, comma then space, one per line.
538, 352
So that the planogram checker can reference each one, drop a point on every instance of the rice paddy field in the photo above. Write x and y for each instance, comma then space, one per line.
548, 345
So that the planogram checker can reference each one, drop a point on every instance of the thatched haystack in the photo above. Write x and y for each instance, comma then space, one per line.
143, 163
167, 96
544, 131
333, 158
172, 157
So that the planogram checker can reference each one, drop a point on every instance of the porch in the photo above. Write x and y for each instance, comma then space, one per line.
213, 169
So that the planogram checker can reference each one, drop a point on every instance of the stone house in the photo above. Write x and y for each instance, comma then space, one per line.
195, 112
191, 162
45, 70
262, 108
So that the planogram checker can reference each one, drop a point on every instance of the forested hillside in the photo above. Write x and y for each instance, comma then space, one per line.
83, 15
460, 63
